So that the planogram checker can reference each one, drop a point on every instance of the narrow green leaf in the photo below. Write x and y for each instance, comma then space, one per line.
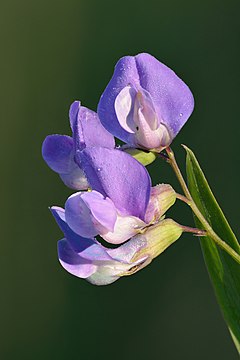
223, 270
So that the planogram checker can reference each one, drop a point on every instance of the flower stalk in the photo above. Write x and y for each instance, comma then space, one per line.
189, 201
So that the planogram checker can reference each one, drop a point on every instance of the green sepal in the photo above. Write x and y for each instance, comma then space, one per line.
144, 157
158, 238
224, 271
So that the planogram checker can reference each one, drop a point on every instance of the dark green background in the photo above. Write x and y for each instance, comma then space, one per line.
53, 52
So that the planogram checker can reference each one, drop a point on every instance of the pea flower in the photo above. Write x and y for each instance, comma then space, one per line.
145, 103
86, 258
59, 150
121, 203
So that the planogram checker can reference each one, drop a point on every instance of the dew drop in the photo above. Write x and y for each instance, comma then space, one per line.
181, 114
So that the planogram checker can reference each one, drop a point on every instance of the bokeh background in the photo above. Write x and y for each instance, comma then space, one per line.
53, 52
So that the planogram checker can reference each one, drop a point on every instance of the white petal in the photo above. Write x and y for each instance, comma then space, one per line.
125, 227
124, 108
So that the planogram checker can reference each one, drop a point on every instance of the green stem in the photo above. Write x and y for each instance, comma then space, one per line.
189, 200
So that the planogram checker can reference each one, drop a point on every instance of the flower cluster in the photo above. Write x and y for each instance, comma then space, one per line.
145, 105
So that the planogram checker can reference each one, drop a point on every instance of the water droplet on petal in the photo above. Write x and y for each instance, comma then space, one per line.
181, 114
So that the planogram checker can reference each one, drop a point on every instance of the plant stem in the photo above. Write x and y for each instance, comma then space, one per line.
189, 200
195, 231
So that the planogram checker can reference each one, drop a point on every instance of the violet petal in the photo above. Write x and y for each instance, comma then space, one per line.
89, 214
172, 99
78, 216
87, 129
73, 262
103, 210
117, 175
125, 74
88, 249
57, 151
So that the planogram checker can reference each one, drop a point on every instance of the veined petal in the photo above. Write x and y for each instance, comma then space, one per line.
125, 227
117, 175
57, 151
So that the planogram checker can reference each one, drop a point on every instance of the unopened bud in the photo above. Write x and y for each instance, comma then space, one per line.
161, 199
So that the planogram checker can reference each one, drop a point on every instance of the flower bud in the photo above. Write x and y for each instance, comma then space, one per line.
161, 199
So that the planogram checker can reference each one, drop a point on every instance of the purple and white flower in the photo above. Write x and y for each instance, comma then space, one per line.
145, 103
121, 203
86, 258
59, 150
121, 206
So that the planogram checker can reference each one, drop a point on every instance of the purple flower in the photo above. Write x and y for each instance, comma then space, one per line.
86, 258
121, 203
145, 103
121, 206
59, 150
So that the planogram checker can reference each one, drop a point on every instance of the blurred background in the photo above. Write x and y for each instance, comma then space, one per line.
54, 52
